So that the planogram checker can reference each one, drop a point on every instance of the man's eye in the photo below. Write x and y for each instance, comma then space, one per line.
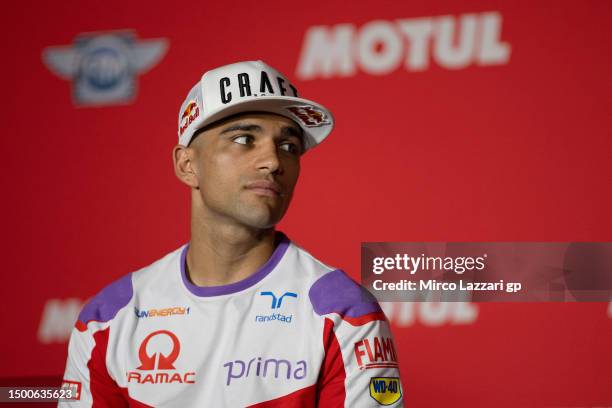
290, 147
244, 139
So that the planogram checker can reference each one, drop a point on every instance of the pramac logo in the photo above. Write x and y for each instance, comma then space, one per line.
159, 361
164, 362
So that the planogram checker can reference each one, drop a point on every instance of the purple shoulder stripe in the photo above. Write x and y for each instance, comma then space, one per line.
335, 292
105, 305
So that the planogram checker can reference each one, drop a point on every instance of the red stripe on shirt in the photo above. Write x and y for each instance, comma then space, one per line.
104, 390
361, 320
330, 385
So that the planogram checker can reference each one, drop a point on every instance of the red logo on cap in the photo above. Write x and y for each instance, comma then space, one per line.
309, 115
191, 112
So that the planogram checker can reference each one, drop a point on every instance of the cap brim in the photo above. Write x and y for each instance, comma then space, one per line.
314, 133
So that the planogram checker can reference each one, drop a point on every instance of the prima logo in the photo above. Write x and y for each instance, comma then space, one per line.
265, 368
103, 67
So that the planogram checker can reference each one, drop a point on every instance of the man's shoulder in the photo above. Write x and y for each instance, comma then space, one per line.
336, 293
107, 303
332, 291
304, 263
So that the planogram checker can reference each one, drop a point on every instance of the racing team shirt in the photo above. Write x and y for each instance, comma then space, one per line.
295, 333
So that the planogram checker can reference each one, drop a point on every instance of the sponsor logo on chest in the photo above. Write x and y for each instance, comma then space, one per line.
169, 311
278, 369
157, 363
278, 303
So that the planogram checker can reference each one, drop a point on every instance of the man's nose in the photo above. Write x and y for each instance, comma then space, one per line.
268, 160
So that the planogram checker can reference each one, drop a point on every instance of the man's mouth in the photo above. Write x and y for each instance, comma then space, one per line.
265, 188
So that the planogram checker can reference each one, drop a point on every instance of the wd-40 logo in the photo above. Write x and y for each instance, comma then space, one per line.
277, 303
159, 361
375, 353
103, 67
266, 368
385, 390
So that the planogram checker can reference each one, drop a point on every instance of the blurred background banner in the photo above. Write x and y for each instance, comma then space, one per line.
473, 121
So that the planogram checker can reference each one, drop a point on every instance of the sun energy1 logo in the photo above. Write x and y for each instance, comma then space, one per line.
277, 303
104, 67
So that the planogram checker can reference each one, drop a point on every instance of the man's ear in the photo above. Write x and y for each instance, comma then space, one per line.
183, 158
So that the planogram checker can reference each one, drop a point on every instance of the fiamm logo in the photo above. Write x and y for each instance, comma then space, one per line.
377, 352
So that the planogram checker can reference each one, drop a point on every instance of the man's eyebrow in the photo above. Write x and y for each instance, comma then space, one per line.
245, 127
292, 131
250, 127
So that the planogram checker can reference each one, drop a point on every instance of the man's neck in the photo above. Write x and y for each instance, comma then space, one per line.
225, 253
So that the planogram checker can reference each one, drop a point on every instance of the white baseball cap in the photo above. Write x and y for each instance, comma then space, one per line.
247, 87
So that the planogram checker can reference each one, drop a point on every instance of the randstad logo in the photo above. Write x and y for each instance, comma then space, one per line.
159, 361
277, 303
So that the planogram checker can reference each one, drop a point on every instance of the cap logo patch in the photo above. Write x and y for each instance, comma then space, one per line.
191, 113
309, 116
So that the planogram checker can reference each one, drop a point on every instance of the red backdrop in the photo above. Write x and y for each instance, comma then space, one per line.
509, 141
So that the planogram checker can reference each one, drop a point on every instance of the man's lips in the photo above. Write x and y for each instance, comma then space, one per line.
265, 187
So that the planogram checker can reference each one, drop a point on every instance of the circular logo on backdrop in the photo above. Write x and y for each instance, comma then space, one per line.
104, 68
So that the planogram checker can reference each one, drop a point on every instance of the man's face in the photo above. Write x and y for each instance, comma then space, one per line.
247, 167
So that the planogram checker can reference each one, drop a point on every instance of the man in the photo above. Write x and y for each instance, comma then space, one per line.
240, 316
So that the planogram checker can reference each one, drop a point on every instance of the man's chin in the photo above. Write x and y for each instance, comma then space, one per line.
261, 218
